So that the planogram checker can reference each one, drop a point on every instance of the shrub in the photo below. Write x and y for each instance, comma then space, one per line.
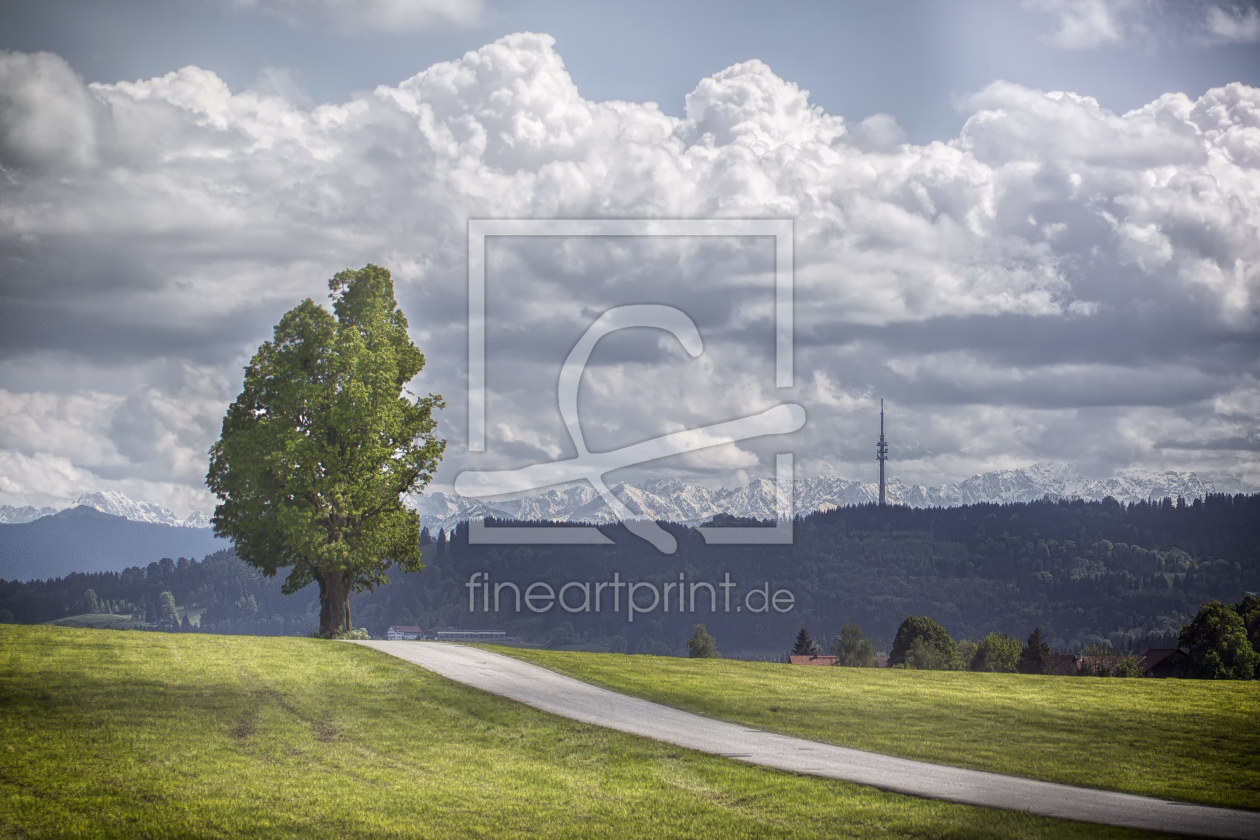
351, 634
1127, 667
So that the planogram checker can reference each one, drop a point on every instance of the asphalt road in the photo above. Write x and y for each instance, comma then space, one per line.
560, 695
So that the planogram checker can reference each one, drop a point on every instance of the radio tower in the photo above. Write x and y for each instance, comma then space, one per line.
881, 453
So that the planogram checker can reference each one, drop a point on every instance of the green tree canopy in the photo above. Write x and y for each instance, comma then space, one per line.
701, 645
321, 443
996, 652
851, 650
1216, 646
934, 649
925, 656
1248, 610
1035, 657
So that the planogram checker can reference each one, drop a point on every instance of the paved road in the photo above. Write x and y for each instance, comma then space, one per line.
559, 695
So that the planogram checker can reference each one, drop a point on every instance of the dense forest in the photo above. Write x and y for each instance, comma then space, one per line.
1084, 572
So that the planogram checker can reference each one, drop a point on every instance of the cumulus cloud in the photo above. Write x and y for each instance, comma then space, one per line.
381, 15
1059, 281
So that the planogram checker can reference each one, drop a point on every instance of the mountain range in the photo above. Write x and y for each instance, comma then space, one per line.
111, 502
83, 539
672, 500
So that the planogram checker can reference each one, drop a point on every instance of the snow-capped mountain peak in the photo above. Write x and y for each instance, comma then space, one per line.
111, 502
10, 515
116, 504
672, 500
197, 520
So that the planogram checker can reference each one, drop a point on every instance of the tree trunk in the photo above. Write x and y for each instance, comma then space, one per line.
334, 603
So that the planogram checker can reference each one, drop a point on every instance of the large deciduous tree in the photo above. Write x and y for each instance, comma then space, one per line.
321, 443
996, 652
1248, 610
923, 644
1216, 646
701, 645
168, 613
851, 649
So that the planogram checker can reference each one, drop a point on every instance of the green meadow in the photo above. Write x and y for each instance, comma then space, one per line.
99, 621
1189, 740
130, 734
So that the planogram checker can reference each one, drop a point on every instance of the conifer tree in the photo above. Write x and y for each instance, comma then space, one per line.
1035, 657
805, 644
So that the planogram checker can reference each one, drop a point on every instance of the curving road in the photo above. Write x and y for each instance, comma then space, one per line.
566, 697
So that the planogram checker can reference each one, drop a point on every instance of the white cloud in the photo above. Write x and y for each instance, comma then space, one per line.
827, 393
383, 15
1240, 404
68, 424
1056, 268
1089, 24
1233, 24
47, 480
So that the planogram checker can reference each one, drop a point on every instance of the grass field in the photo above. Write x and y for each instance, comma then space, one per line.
1189, 740
100, 621
127, 734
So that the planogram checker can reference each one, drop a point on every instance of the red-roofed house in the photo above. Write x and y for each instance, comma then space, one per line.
406, 632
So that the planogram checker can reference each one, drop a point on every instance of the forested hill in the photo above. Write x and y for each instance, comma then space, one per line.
81, 539
1082, 571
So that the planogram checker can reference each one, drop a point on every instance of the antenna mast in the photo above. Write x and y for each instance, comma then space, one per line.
881, 453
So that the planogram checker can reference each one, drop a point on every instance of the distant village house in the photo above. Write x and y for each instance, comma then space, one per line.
471, 635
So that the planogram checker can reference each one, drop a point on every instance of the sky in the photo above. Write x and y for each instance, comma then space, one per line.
1030, 228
